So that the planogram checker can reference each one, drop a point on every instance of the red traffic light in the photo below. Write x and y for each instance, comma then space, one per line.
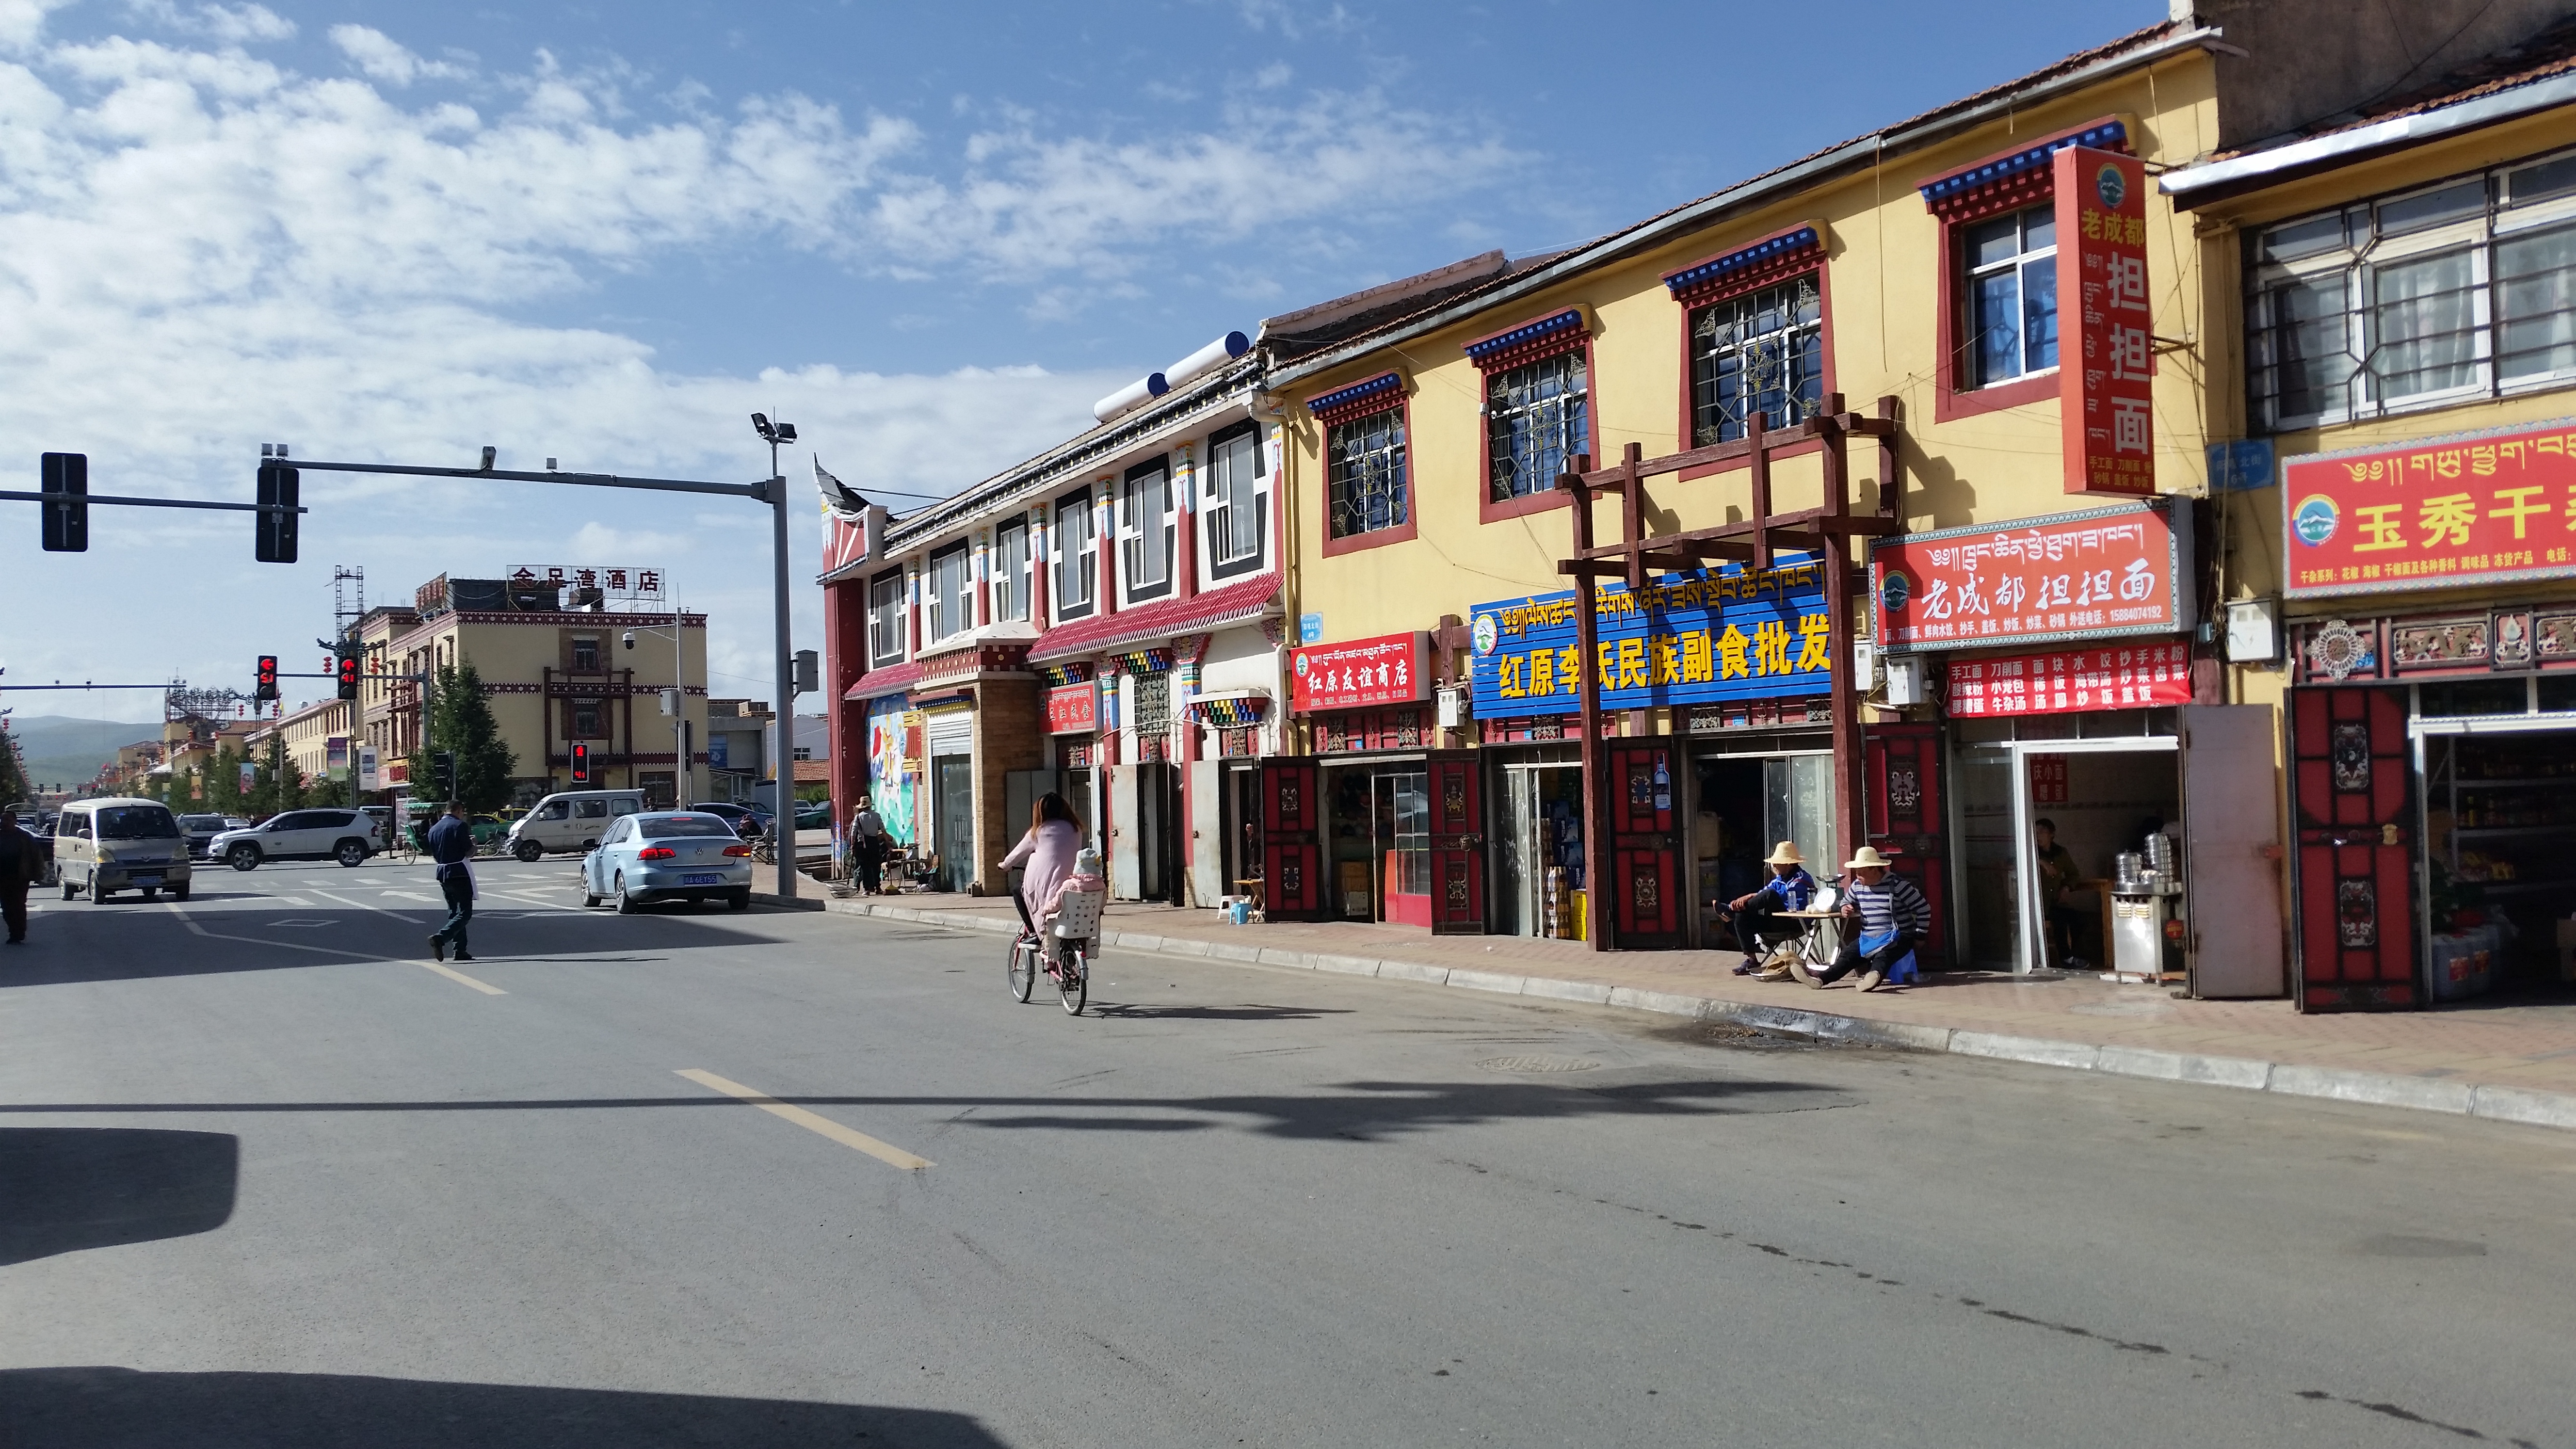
348, 676
581, 764
267, 689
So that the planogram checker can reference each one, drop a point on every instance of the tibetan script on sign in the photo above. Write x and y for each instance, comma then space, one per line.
2466, 509
2103, 573
1692, 638
1389, 669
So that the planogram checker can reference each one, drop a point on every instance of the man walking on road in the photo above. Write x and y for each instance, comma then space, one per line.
20, 867
868, 843
451, 844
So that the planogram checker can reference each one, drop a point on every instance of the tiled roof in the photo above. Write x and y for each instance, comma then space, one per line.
2550, 53
1229, 605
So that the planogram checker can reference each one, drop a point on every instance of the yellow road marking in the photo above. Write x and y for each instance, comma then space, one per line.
882, 1152
441, 968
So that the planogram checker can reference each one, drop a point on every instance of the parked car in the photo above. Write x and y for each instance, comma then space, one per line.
570, 820
202, 830
105, 846
665, 855
747, 820
345, 835
817, 816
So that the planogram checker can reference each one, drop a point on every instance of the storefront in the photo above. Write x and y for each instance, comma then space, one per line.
2057, 655
1735, 664
2433, 750
1367, 703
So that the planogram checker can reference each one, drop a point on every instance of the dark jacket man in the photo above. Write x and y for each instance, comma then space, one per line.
22, 864
451, 844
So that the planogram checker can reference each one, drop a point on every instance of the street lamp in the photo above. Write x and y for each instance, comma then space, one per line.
681, 783
781, 773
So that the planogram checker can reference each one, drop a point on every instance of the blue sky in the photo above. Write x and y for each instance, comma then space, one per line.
930, 235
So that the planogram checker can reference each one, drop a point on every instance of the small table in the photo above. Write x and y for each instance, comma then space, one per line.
1822, 936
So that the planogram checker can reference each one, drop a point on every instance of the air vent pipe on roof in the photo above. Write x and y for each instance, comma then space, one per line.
1128, 398
1207, 359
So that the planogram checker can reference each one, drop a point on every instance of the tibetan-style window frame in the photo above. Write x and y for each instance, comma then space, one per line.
1770, 261
1383, 392
1544, 338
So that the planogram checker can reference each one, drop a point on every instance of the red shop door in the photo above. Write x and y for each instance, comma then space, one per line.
1292, 825
1645, 884
2353, 797
1906, 821
1457, 844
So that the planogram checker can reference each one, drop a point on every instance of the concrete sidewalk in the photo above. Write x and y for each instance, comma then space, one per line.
2512, 1063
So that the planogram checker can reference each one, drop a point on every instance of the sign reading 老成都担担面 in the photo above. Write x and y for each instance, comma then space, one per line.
2106, 352
2102, 573
1686, 638
2115, 676
2440, 512
1359, 673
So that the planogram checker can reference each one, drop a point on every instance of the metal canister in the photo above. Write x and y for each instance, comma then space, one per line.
2128, 871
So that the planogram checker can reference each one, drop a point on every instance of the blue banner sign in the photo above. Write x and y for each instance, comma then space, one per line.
1686, 638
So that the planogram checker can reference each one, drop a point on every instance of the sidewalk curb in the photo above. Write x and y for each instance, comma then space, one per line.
2378, 1089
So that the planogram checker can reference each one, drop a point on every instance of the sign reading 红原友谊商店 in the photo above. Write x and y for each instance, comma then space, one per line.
1686, 638
2441, 512
2104, 573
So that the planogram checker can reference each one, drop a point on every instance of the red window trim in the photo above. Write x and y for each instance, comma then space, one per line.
1714, 295
1376, 538
2034, 187
1488, 510
1537, 349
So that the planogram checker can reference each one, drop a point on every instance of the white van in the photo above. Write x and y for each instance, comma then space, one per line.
570, 822
106, 846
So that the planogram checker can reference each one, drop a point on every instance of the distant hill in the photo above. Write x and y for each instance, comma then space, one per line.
65, 751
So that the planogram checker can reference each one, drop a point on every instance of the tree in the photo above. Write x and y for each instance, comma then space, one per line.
461, 723
278, 782
223, 783
13, 771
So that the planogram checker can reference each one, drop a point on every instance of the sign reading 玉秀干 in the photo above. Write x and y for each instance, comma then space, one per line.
2100, 574
2469, 508
2106, 394
1686, 638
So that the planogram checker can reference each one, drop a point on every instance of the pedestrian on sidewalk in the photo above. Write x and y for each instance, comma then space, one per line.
1891, 916
22, 864
1753, 915
868, 843
451, 844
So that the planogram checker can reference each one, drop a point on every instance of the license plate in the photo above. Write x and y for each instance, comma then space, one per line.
709, 879
143, 880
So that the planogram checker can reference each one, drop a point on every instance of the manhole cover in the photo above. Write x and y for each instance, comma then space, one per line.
1537, 1064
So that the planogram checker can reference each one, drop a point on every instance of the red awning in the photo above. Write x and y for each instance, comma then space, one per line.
889, 679
1232, 604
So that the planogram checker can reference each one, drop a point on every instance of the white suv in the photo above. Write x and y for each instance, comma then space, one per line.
347, 836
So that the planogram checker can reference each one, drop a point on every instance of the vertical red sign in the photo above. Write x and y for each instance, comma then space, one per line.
2105, 350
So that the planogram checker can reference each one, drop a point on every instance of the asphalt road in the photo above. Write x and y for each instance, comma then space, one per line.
265, 1178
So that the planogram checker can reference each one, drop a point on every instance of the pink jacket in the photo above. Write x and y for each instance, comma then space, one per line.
1048, 853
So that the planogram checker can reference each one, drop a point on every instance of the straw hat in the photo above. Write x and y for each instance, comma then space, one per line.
1866, 857
1785, 853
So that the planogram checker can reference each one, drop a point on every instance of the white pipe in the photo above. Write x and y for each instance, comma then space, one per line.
1133, 395
1207, 359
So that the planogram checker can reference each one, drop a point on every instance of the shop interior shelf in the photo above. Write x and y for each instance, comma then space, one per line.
2490, 832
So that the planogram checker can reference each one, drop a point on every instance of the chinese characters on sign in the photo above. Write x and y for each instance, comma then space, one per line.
2048, 779
1073, 709
2445, 511
613, 583
1388, 669
2121, 677
2097, 574
1685, 639
2106, 399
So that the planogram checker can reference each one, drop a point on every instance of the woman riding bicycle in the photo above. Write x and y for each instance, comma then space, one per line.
1047, 852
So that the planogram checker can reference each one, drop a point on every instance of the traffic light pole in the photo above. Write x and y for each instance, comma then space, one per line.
772, 491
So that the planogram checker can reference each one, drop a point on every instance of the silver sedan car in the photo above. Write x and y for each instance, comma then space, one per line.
667, 855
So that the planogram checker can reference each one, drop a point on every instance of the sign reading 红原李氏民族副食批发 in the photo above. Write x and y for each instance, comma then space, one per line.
2441, 512
1686, 638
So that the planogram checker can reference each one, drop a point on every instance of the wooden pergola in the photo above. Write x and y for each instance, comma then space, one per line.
1825, 530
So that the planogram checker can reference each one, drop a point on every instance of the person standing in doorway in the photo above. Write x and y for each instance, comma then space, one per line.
868, 842
451, 844
21, 866
2057, 871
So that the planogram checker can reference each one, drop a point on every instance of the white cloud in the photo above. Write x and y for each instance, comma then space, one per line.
223, 24
386, 59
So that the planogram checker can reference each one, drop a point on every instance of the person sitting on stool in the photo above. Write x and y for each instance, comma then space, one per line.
1790, 888
1891, 913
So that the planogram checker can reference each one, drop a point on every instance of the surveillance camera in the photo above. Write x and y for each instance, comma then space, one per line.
630, 638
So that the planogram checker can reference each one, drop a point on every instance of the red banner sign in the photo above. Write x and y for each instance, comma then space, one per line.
2443, 512
2093, 575
2106, 352
2122, 677
1389, 669
1073, 709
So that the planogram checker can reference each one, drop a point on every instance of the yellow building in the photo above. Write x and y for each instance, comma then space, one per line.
304, 736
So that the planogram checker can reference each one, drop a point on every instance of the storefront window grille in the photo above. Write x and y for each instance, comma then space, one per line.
1011, 571
1763, 352
1535, 419
586, 720
2012, 296
2460, 290
951, 605
885, 618
1234, 506
1367, 470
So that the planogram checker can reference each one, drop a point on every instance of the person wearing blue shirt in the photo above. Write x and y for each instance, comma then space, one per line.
1886, 917
1790, 888
451, 844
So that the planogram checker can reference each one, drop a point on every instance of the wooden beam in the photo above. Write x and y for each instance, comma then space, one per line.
1809, 521
1756, 431
1632, 522
1891, 463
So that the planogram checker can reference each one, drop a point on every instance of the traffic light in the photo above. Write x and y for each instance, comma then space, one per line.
267, 679
442, 769
808, 671
581, 764
348, 676
66, 506
277, 519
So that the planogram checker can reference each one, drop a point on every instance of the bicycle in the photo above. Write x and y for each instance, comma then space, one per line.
1063, 954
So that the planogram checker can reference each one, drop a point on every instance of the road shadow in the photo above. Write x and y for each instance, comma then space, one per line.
1116, 1012
120, 1408
63, 1189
